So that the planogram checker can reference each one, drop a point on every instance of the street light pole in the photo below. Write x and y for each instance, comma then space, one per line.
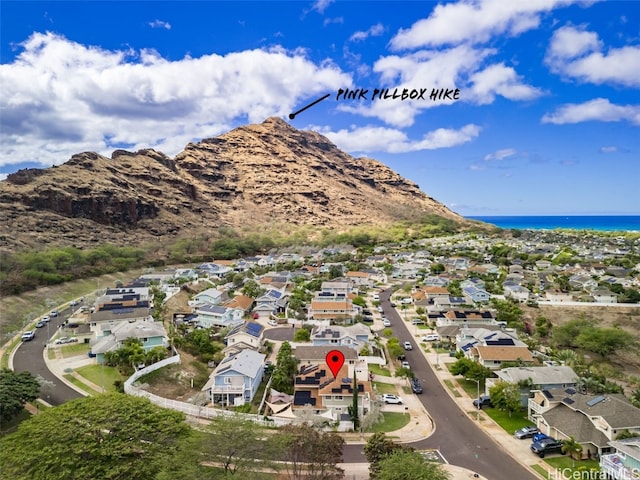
478, 410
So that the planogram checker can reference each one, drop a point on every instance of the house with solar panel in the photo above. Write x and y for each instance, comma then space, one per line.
354, 336
270, 303
218, 316
492, 349
107, 315
236, 379
592, 420
248, 335
316, 387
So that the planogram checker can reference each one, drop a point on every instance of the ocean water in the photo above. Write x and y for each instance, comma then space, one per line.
582, 222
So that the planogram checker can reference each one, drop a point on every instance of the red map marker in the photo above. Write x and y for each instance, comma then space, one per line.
335, 360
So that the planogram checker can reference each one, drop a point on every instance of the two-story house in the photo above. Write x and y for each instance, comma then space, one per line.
217, 316
150, 335
536, 378
592, 420
355, 336
247, 335
236, 379
210, 296
624, 462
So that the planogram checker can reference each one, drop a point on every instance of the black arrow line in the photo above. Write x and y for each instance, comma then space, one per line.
293, 115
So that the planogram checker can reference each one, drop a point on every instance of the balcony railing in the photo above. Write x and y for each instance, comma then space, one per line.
613, 465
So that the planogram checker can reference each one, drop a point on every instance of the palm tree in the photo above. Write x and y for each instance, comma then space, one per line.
573, 448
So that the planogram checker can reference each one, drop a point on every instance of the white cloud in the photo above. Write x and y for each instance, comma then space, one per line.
373, 31
329, 21
61, 97
474, 21
498, 79
160, 24
577, 53
370, 139
599, 109
500, 154
321, 5
608, 149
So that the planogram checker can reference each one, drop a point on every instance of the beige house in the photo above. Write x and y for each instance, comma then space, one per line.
494, 356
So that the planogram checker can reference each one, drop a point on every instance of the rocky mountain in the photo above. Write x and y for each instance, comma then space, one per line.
270, 173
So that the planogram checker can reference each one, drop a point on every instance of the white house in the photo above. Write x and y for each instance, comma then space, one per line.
210, 296
216, 316
236, 379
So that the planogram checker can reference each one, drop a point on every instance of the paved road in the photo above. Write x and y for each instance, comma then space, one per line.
457, 437
28, 357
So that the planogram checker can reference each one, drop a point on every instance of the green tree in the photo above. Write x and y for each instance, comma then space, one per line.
359, 301
252, 289
353, 408
573, 448
311, 454
566, 335
603, 341
16, 389
410, 465
110, 436
285, 369
507, 311
436, 268
376, 449
302, 335
505, 396
394, 348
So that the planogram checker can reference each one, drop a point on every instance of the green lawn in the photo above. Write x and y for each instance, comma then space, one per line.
471, 387
74, 349
378, 370
385, 388
559, 464
508, 423
392, 421
94, 373
80, 385
451, 387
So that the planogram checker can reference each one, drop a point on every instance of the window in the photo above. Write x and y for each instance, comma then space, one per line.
227, 380
338, 397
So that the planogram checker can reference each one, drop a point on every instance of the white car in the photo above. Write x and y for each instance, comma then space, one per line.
391, 399
386, 322
46, 318
406, 365
273, 323
408, 346
431, 337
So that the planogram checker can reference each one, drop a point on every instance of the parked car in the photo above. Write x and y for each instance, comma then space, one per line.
73, 303
408, 346
40, 324
547, 445
431, 337
380, 309
526, 432
267, 366
393, 304
28, 336
54, 313
416, 387
65, 340
45, 319
273, 323
483, 401
406, 365
386, 322
391, 399
539, 436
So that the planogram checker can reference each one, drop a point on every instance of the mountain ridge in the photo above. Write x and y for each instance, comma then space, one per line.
258, 174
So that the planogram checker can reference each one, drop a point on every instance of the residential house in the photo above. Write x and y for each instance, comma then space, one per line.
473, 282
582, 282
316, 387
210, 296
112, 337
624, 462
536, 378
432, 293
270, 303
604, 296
116, 312
338, 310
125, 294
335, 289
218, 316
474, 295
240, 301
355, 336
449, 303
436, 281
592, 420
247, 335
517, 292
558, 296
543, 264
466, 317
495, 356
359, 279
316, 354
214, 269
236, 379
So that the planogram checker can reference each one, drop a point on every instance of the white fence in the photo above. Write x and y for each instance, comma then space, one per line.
189, 408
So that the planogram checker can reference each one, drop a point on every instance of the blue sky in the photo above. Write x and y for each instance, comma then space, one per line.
547, 122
